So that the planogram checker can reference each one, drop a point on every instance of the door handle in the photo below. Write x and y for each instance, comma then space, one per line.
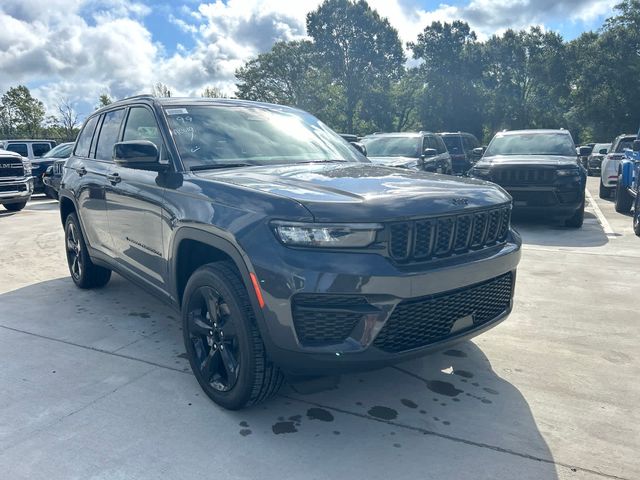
81, 171
114, 178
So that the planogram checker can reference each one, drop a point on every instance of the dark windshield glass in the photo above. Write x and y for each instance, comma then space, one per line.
393, 146
532, 144
217, 135
453, 143
61, 151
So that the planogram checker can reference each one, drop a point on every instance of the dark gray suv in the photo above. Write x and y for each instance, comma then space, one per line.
287, 251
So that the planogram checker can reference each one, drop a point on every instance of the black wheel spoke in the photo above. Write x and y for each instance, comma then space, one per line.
207, 367
198, 326
230, 365
212, 299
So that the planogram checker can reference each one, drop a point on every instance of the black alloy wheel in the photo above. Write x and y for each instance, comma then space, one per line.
84, 273
74, 251
214, 339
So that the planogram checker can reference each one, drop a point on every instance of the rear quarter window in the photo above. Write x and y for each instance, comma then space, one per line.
84, 139
39, 149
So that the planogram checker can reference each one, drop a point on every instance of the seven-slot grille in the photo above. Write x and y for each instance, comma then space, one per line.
420, 322
11, 167
440, 237
57, 168
523, 176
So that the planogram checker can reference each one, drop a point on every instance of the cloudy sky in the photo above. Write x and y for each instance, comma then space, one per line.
79, 49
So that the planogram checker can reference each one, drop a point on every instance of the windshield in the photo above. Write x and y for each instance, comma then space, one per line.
624, 144
393, 146
601, 146
453, 143
215, 136
532, 144
61, 151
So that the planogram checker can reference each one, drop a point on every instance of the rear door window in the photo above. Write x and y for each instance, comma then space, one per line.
109, 134
39, 149
84, 139
20, 148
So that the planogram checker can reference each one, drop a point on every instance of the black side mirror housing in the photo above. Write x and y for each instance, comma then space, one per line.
584, 151
429, 152
139, 155
360, 147
603, 151
636, 145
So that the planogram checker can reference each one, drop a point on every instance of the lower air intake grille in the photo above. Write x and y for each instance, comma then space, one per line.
419, 322
326, 319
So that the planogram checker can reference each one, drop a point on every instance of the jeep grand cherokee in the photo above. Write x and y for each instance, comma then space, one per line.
287, 251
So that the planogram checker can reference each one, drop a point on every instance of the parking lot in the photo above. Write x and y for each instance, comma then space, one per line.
95, 384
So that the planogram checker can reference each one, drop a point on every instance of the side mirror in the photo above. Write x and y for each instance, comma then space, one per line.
636, 145
360, 147
479, 152
430, 152
584, 151
138, 154
48, 172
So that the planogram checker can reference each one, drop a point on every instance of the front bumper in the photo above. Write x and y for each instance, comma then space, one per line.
15, 191
286, 274
549, 201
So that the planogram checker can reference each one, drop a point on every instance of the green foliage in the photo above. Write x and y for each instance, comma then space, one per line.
20, 113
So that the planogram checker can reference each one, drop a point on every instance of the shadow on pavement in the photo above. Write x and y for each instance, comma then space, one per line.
452, 403
553, 233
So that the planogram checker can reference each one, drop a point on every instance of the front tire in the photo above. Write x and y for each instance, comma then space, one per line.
636, 216
577, 219
84, 273
624, 200
15, 207
222, 340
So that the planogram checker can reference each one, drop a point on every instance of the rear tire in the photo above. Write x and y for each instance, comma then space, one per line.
15, 207
577, 219
605, 192
84, 273
223, 343
624, 200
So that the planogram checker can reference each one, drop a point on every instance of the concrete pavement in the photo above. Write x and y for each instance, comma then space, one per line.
94, 384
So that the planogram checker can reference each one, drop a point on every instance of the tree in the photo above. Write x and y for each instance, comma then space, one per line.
21, 113
451, 74
160, 90
104, 100
67, 119
361, 50
213, 92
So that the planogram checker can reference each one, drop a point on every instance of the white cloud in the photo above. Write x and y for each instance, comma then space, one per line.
83, 48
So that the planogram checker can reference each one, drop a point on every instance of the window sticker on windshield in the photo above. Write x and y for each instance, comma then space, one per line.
176, 111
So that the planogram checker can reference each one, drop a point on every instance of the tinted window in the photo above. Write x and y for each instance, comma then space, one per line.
84, 139
20, 148
391, 146
601, 146
109, 134
211, 136
624, 144
453, 144
532, 144
61, 151
39, 149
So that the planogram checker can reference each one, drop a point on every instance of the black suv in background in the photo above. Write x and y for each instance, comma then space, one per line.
462, 148
540, 170
287, 251
424, 151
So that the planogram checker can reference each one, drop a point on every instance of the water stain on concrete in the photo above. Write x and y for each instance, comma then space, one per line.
443, 388
140, 314
463, 373
284, 427
244, 424
245, 431
408, 403
491, 391
320, 414
183, 355
383, 413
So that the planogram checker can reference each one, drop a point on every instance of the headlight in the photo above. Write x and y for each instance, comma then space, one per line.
331, 236
574, 172
27, 166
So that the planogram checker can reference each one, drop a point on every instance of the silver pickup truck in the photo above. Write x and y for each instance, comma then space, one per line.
16, 180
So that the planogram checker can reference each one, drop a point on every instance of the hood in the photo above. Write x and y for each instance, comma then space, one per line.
362, 192
393, 161
529, 160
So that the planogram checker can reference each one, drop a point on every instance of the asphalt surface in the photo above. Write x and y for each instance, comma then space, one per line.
94, 384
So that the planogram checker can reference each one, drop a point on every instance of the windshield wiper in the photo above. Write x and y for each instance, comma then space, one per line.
322, 161
216, 166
